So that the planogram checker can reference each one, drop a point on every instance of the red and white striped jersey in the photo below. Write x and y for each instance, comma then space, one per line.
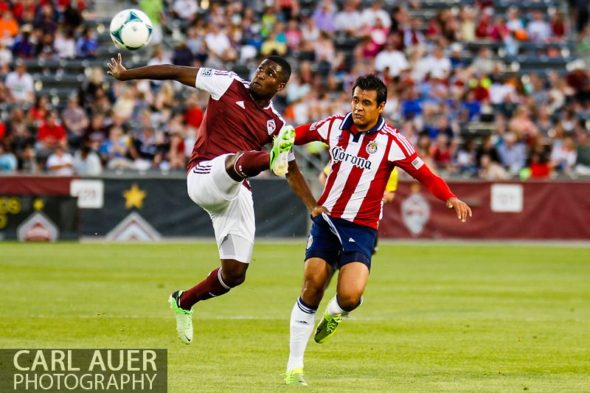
360, 165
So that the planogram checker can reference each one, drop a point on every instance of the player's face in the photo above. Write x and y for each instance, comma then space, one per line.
365, 111
267, 80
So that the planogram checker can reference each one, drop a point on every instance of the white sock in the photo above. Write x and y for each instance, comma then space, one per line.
334, 308
302, 321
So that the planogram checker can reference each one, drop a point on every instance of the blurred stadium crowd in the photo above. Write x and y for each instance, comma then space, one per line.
490, 89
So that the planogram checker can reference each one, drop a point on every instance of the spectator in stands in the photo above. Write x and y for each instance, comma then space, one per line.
86, 162
86, 46
273, 45
5, 55
114, 151
512, 153
491, 170
20, 84
348, 20
23, 46
324, 16
186, 10
8, 162
65, 44
76, 121
72, 15
50, 134
219, 45
442, 153
391, 60
154, 9
522, 125
436, 66
39, 110
370, 15
45, 47
538, 29
9, 27
467, 24
182, 54
564, 155
412, 34
147, 149
46, 20
583, 154
60, 162
465, 158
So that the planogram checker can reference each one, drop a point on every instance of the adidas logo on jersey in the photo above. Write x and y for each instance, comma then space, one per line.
339, 154
241, 104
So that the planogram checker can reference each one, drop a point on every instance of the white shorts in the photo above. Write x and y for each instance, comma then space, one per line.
229, 205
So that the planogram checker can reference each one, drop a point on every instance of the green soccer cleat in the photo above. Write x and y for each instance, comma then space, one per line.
295, 377
327, 327
184, 318
279, 155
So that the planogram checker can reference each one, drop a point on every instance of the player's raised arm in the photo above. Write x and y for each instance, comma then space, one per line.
185, 75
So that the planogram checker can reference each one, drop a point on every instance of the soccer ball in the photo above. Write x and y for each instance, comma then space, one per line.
131, 29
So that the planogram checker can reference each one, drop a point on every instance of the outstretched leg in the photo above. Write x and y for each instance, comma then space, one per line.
317, 276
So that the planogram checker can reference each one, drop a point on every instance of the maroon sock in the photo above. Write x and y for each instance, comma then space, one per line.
251, 163
206, 289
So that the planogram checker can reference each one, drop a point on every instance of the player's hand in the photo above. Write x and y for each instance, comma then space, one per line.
318, 210
388, 197
116, 67
461, 208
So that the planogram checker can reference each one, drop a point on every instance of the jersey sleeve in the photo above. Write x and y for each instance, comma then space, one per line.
318, 131
416, 168
215, 82
404, 155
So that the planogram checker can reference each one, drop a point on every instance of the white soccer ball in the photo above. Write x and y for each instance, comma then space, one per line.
131, 29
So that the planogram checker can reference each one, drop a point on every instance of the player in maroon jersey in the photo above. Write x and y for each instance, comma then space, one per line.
239, 121
364, 149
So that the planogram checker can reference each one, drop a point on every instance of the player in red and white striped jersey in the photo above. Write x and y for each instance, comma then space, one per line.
364, 149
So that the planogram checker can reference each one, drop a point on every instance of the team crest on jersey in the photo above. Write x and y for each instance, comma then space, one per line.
271, 126
372, 147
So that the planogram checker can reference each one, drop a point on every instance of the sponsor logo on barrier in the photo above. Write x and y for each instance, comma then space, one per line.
133, 228
415, 213
506, 198
37, 228
90, 193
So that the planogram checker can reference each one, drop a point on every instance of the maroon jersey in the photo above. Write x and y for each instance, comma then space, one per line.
232, 122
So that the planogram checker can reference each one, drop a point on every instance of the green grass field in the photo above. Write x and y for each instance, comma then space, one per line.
436, 318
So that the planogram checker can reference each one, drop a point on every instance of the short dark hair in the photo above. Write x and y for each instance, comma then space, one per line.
371, 82
285, 67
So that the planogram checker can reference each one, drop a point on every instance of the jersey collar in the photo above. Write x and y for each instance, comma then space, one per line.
347, 124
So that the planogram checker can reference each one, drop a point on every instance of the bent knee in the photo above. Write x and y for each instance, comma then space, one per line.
349, 301
234, 279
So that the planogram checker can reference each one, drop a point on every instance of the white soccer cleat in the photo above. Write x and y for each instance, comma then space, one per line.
184, 318
279, 155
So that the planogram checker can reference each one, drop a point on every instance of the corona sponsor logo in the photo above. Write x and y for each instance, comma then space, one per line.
339, 154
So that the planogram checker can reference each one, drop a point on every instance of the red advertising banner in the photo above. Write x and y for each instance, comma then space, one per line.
529, 210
